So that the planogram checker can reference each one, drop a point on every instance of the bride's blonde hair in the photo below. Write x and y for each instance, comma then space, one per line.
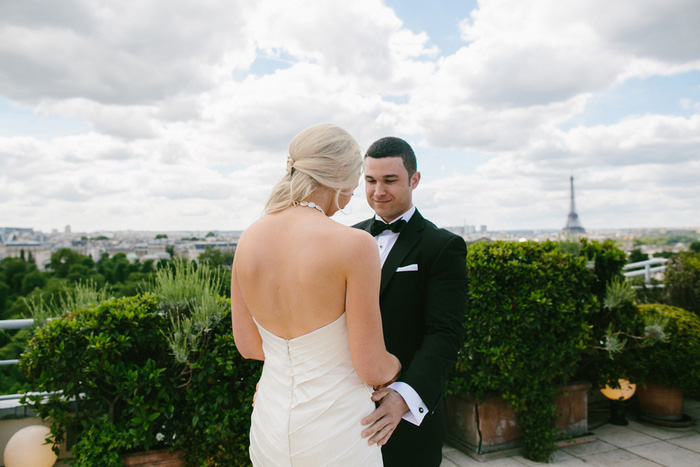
321, 155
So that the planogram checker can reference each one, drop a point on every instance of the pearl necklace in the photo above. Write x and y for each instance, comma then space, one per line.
311, 205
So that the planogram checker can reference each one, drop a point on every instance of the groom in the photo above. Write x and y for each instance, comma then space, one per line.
422, 300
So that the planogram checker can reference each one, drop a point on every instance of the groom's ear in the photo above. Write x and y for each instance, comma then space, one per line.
415, 178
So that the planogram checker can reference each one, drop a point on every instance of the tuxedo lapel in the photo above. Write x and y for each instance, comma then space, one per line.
408, 238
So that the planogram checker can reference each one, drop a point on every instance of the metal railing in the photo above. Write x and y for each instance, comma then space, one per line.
14, 324
646, 268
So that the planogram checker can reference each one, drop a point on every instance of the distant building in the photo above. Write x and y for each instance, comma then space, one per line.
573, 224
18, 242
40, 251
463, 230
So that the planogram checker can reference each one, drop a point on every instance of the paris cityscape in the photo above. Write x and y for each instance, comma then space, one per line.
155, 246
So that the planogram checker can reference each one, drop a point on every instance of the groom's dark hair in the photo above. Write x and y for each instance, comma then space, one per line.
390, 146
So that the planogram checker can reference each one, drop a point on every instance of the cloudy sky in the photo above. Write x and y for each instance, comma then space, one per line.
176, 115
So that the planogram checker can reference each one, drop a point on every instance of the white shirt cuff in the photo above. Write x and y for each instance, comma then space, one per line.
416, 407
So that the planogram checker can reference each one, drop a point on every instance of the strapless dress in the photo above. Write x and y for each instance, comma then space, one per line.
310, 402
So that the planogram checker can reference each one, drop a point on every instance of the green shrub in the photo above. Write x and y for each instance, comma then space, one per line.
655, 292
132, 377
682, 280
218, 400
606, 262
615, 324
526, 327
108, 365
675, 362
216, 382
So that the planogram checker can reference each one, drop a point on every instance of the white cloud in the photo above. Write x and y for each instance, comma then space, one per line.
113, 52
191, 107
664, 31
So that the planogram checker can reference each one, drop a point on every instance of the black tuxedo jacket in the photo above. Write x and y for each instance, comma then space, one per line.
423, 300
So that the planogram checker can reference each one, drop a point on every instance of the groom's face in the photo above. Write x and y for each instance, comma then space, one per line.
388, 187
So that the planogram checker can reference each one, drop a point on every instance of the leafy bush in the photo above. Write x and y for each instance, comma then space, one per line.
655, 292
606, 262
675, 362
682, 280
109, 365
119, 386
216, 382
218, 402
526, 327
542, 315
616, 328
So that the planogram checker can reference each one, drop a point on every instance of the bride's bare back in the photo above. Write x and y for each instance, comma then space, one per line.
290, 267
297, 270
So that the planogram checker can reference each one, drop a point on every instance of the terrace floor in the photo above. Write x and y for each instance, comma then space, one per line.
637, 445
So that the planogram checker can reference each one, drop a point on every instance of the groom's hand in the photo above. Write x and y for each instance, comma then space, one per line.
385, 418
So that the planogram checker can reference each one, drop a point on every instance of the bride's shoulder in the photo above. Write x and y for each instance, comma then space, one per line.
355, 240
261, 225
255, 233
353, 233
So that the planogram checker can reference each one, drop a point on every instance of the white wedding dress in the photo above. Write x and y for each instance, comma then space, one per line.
310, 402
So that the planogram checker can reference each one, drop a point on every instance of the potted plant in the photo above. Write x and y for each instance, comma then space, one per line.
525, 329
619, 330
158, 371
668, 368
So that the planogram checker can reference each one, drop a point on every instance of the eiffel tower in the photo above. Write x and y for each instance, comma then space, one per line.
573, 224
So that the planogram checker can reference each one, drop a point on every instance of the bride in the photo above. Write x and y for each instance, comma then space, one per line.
305, 299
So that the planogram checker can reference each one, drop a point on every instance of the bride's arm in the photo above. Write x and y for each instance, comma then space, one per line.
372, 362
245, 332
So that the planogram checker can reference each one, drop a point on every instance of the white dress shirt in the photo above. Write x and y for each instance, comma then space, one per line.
416, 407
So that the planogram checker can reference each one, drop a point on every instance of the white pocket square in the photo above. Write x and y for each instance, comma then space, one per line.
410, 267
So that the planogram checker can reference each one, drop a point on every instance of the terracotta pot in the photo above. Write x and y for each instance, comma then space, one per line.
159, 458
481, 427
491, 426
660, 402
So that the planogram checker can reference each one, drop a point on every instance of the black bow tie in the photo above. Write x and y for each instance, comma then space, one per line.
378, 227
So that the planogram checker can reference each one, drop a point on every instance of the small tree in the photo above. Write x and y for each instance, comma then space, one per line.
682, 280
216, 258
636, 256
64, 258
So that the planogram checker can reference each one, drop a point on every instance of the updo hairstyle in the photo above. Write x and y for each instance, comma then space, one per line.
321, 155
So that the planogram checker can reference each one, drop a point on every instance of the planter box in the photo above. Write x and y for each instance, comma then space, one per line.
662, 405
491, 426
159, 458
661, 402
